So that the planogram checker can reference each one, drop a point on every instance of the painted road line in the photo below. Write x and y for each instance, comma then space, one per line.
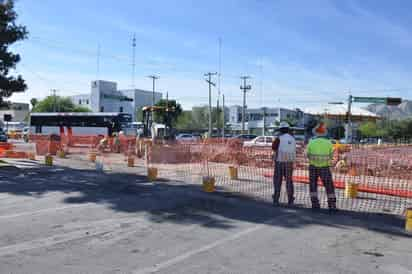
205, 248
100, 227
46, 210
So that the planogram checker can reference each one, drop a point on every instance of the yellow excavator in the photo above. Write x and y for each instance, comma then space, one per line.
155, 130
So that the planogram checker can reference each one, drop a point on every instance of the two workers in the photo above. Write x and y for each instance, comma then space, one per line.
320, 154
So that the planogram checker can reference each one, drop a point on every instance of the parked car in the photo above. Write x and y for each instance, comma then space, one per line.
245, 137
186, 137
3, 136
198, 136
261, 141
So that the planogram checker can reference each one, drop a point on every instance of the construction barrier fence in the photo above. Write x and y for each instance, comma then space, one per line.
367, 178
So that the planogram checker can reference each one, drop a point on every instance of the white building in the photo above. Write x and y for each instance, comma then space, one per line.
18, 111
254, 118
105, 97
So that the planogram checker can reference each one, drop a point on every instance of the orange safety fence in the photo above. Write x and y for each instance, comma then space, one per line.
382, 173
378, 172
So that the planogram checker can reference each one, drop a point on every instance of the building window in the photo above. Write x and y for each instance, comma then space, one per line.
80, 102
87, 102
121, 109
102, 109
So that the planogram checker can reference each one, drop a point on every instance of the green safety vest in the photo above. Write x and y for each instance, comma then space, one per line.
320, 152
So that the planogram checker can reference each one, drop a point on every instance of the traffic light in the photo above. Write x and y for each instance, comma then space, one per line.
390, 101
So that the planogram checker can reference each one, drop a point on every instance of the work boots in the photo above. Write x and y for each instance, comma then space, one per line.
332, 205
315, 204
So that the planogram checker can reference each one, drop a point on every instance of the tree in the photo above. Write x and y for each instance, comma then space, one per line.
58, 104
198, 118
368, 129
163, 117
33, 102
10, 33
185, 120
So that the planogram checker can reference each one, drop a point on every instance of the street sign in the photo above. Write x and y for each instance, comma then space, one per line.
7, 117
375, 100
378, 100
393, 101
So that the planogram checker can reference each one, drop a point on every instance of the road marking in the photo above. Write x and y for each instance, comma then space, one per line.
202, 249
99, 227
46, 210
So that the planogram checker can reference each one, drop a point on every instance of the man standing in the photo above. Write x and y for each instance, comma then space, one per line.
284, 148
320, 154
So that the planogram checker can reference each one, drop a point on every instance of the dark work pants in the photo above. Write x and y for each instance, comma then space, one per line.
326, 177
283, 170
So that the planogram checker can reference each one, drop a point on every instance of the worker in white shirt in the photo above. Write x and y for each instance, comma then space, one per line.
284, 148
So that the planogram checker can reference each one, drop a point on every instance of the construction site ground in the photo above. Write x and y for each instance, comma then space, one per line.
70, 218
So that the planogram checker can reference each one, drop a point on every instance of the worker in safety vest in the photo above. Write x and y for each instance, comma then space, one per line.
284, 148
320, 154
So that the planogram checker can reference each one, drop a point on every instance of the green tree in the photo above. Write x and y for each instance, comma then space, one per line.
164, 117
10, 33
58, 104
185, 120
33, 102
368, 129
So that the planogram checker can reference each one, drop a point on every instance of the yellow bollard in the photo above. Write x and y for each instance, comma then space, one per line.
408, 222
233, 173
48, 160
351, 190
152, 173
130, 161
208, 184
92, 156
61, 154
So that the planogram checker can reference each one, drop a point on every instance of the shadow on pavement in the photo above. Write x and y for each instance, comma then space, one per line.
177, 202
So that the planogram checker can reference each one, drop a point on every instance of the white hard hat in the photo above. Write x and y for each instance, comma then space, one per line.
284, 125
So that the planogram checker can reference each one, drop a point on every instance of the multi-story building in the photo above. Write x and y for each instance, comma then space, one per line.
105, 97
19, 112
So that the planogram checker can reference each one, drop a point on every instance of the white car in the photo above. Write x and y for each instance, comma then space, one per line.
185, 137
260, 141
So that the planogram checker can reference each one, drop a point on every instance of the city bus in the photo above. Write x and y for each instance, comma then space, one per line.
81, 123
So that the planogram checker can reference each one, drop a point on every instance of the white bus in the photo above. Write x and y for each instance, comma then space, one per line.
81, 123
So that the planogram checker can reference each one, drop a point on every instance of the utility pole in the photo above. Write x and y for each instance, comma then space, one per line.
219, 84
264, 121
54, 100
348, 136
167, 114
245, 88
223, 119
154, 78
261, 97
98, 62
133, 60
209, 81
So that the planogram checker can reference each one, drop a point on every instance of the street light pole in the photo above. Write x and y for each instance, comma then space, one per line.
154, 78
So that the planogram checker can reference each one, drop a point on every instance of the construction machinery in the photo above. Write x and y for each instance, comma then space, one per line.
157, 130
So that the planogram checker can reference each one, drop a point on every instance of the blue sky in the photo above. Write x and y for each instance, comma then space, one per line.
299, 53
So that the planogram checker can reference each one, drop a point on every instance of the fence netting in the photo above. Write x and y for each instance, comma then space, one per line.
367, 178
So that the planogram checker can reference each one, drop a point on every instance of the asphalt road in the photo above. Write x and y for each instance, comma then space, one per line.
63, 220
